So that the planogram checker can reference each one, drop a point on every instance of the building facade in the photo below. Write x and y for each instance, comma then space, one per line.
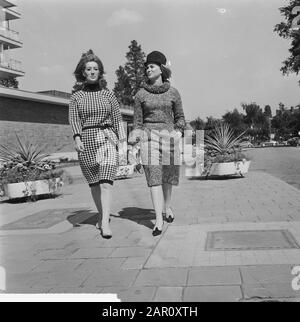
10, 68
40, 118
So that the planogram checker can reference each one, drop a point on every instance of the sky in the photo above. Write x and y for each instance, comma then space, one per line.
222, 52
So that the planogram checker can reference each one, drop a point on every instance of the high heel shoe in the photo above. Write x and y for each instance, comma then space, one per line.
156, 231
169, 218
97, 224
106, 236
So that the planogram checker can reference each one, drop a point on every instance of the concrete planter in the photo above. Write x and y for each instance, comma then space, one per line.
30, 188
229, 168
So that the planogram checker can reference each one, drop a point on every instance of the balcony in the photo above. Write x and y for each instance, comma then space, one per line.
9, 14
9, 38
10, 68
10, 34
6, 4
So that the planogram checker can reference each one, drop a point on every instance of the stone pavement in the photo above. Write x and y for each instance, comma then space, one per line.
188, 262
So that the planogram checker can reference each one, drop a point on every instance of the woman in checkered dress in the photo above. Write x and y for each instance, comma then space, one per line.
96, 122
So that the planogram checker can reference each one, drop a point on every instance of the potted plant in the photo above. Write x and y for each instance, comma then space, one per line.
25, 172
223, 154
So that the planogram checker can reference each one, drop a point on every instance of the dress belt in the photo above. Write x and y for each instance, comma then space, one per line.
102, 127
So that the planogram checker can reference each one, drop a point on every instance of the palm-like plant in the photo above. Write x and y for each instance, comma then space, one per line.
25, 162
222, 142
24, 152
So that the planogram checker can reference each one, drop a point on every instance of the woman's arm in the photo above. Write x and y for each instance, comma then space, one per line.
75, 122
117, 118
179, 119
138, 124
74, 118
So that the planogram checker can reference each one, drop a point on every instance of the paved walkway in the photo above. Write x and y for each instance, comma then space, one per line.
68, 255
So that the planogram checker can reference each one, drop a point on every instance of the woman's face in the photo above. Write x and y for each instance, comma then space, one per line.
91, 72
153, 71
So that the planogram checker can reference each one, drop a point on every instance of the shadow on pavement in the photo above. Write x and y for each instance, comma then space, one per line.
32, 198
141, 216
83, 217
215, 178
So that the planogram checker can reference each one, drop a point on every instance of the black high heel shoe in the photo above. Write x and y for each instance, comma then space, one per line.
109, 236
101, 232
156, 231
169, 218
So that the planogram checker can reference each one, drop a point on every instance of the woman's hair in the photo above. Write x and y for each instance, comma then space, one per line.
165, 72
78, 73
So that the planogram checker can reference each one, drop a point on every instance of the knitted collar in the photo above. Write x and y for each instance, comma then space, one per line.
91, 87
157, 89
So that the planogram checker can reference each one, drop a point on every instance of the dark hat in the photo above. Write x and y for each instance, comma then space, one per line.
156, 57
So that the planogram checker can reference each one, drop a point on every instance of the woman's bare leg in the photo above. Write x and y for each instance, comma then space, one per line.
157, 200
96, 194
106, 204
167, 190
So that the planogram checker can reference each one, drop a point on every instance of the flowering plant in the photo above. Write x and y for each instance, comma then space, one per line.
25, 162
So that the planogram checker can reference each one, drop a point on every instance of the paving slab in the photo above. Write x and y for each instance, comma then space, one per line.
123, 278
88, 253
269, 290
212, 294
132, 294
130, 252
168, 294
162, 277
57, 266
90, 266
267, 274
134, 262
214, 276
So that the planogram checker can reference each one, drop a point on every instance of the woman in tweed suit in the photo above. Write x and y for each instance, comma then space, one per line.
158, 125
95, 118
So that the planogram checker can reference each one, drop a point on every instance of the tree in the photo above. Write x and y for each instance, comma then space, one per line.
131, 75
267, 111
252, 113
9, 82
268, 116
197, 124
286, 122
285, 30
235, 120
122, 88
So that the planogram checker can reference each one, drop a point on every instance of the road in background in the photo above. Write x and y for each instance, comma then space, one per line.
282, 162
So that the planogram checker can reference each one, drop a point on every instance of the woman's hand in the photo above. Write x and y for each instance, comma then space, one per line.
78, 145
134, 136
177, 134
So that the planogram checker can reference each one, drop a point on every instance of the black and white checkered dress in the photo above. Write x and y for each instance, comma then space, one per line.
95, 116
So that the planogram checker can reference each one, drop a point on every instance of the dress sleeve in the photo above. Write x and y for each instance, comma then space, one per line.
179, 119
138, 120
74, 118
138, 113
117, 118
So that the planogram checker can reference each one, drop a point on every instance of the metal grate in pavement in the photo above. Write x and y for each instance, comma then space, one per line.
250, 240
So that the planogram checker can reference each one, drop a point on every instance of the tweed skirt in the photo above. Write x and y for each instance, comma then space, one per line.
99, 161
160, 156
